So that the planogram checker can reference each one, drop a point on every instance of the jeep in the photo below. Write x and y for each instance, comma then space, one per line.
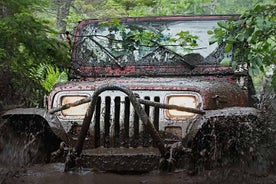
138, 99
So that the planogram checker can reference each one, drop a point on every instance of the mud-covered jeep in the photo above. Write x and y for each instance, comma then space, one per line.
134, 104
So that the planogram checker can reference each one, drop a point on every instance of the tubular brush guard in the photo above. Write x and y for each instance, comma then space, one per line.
169, 154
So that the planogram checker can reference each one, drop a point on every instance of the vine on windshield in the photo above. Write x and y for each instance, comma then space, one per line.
133, 37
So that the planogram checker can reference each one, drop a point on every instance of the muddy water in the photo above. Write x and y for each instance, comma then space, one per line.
53, 173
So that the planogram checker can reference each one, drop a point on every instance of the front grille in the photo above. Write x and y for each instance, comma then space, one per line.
115, 123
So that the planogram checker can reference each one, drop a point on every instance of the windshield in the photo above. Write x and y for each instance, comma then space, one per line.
116, 42
145, 46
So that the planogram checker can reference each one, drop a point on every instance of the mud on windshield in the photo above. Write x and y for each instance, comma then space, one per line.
133, 43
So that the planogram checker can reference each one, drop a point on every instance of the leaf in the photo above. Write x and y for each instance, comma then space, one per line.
228, 47
182, 34
225, 62
250, 72
115, 22
230, 39
240, 37
223, 24
219, 32
234, 64
210, 32
262, 69
257, 8
173, 40
213, 40
273, 82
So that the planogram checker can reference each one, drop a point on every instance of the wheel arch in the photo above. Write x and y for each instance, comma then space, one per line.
49, 120
230, 112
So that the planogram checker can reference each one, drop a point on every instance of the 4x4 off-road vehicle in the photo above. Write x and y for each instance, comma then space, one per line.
144, 93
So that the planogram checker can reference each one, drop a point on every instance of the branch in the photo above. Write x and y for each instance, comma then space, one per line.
155, 43
107, 52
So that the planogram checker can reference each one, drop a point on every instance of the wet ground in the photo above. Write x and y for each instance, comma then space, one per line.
54, 174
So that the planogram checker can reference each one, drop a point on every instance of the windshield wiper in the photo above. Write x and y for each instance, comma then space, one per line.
192, 66
109, 54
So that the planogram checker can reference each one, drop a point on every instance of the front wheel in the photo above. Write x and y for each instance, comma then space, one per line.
25, 140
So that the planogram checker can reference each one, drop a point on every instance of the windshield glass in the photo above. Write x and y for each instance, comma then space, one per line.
116, 42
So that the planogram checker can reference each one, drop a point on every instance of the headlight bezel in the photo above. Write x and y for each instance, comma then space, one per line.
79, 95
77, 111
171, 114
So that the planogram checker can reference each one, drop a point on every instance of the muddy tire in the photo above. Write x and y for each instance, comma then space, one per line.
25, 140
225, 141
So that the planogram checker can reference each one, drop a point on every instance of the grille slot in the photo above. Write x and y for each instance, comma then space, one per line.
116, 124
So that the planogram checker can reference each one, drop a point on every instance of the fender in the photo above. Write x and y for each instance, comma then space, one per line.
50, 119
215, 115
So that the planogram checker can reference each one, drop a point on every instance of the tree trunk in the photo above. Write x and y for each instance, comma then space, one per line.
63, 8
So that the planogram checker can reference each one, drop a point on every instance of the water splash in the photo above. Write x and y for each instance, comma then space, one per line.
18, 148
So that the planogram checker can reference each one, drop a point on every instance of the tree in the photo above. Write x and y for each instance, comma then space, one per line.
26, 41
134, 8
236, 6
63, 9
252, 39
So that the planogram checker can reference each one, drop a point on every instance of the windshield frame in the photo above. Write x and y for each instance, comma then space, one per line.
78, 67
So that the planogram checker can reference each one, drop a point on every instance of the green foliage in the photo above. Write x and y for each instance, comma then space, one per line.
225, 62
134, 8
185, 40
77, 13
237, 6
252, 39
134, 37
131, 36
48, 75
27, 40
148, 8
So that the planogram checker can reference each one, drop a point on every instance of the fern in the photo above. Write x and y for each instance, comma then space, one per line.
47, 75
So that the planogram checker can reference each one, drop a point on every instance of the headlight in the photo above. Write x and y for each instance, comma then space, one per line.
181, 100
79, 110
